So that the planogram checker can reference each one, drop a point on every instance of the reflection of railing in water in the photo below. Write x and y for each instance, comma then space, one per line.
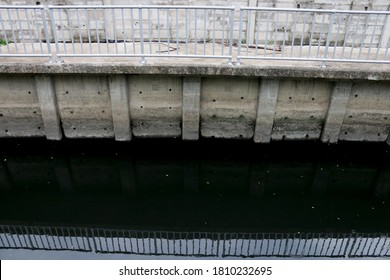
195, 244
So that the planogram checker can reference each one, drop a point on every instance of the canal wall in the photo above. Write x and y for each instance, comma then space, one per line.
262, 103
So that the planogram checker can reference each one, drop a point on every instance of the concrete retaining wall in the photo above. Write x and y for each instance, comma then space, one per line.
180, 105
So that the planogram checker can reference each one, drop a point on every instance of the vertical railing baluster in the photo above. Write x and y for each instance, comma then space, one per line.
239, 37
141, 31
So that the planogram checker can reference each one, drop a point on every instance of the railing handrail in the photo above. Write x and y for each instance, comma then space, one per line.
314, 10
38, 7
141, 6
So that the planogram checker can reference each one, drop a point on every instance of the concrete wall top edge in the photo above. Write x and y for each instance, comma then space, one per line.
334, 73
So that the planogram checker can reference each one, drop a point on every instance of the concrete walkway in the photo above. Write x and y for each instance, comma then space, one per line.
165, 54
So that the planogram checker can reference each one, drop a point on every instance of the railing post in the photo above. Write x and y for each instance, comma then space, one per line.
239, 37
141, 34
54, 32
43, 13
230, 62
323, 64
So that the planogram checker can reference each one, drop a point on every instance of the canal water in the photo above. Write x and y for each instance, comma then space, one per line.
169, 199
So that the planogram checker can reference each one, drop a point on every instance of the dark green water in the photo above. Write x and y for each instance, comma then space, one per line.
174, 199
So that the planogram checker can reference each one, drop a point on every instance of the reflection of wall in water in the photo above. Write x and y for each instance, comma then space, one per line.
108, 174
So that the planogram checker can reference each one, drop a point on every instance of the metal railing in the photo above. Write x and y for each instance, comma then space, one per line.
195, 32
195, 244
143, 31
24, 32
313, 35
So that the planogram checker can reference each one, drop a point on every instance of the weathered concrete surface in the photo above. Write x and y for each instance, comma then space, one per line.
301, 109
20, 112
156, 105
258, 108
228, 107
85, 106
367, 116
207, 68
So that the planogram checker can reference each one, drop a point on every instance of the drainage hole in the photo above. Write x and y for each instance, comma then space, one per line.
140, 92
1, 115
66, 92
74, 128
290, 97
29, 92
105, 128
71, 112
141, 107
35, 112
312, 99
346, 133
103, 111
312, 117
39, 127
350, 117
356, 95
379, 134
170, 107
242, 97
170, 89
307, 135
6, 130
214, 100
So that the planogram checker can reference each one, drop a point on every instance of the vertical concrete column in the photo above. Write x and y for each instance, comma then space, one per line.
120, 107
336, 111
191, 107
49, 108
266, 105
